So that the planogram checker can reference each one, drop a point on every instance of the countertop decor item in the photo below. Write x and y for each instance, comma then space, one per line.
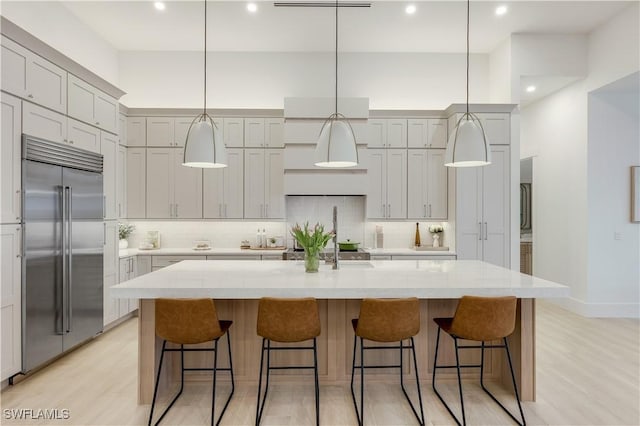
348, 245
124, 230
468, 145
313, 241
436, 230
204, 147
417, 239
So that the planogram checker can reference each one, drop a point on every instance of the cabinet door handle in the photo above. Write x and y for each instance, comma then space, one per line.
430, 213
480, 233
486, 231
30, 96
424, 208
388, 210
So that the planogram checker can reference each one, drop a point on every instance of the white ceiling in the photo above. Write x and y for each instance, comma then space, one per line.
385, 27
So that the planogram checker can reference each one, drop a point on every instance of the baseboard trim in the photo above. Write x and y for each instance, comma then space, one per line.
600, 310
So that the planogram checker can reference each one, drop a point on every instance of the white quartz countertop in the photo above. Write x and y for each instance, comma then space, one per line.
191, 252
252, 279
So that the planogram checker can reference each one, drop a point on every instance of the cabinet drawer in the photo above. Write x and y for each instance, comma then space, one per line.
380, 257
162, 261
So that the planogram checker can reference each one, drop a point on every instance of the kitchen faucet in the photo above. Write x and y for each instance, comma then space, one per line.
335, 237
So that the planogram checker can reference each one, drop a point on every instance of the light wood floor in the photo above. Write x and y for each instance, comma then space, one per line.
588, 374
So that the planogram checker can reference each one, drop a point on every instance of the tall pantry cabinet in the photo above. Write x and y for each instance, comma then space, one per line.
482, 220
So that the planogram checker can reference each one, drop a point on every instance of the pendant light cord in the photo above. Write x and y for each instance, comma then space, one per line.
205, 57
468, 3
336, 95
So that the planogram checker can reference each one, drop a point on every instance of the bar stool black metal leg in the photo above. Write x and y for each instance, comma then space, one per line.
464, 418
164, 413
233, 386
361, 382
259, 404
317, 384
215, 375
353, 370
515, 386
415, 367
155, 390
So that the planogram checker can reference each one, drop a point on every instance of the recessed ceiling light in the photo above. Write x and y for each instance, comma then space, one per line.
531, 89
159, 5
501, 10
410, 9
252, 7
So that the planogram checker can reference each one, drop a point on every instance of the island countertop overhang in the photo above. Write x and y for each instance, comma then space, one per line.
252, 279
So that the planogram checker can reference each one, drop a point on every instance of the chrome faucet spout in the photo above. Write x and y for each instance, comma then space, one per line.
335, 237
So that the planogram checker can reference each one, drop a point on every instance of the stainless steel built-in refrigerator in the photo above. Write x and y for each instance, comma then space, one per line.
63, 248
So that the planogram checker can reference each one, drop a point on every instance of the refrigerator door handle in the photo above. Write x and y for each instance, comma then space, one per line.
61, 287
70, 260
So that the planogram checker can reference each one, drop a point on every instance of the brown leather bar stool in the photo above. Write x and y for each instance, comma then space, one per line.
287, 321
186, 322
482, 319
386, 320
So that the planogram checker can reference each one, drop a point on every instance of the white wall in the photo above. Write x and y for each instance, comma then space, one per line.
558, 133
55, 25
614, 146
263, 80
500, 78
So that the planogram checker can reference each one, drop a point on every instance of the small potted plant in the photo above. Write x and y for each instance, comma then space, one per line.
313, 241
124, 230
435, 231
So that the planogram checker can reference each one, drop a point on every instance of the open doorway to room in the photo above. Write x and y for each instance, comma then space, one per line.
526, 216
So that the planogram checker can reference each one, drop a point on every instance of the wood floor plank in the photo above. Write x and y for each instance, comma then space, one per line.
588, 373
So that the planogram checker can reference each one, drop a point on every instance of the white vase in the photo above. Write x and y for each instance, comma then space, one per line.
436, 240
123, 244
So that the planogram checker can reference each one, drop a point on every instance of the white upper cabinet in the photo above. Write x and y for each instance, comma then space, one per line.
10, 159
387, 133
91, 105
233, 130
497, 127
223, 188
109, 150
31, 77
160, 131
274, 132
167, 131
43, 123
264, 132
173, 190
387, 176
136, 183
264, 183
83, 136
254, 132
427, 184
122, 129
121, 182
136, 131
427, 133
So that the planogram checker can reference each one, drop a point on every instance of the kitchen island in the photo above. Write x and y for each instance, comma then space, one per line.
237, 285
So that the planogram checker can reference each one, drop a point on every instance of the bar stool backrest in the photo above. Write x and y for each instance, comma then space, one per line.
484, 318
187, 321
389, 320
288, 320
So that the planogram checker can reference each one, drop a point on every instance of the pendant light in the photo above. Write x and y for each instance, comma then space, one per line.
468, 145
204, 147
336, 145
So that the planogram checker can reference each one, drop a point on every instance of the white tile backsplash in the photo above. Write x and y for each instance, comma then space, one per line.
352, 225
319, 208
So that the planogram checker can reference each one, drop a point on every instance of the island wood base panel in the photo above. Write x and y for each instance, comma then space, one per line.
335, 348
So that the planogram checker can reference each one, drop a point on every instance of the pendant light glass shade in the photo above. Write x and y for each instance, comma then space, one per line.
204, 147
336, 145
468, 145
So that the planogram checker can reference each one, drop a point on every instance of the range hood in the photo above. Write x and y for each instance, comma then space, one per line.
304, 118
302, 177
